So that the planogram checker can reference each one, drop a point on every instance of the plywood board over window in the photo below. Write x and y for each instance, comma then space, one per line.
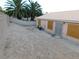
39, 22
73, 30
50, 25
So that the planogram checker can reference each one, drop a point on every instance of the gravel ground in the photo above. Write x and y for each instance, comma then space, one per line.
30, 43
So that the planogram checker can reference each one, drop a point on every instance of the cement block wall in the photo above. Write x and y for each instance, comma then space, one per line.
4, 22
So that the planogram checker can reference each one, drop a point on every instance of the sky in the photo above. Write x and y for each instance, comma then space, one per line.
55, 5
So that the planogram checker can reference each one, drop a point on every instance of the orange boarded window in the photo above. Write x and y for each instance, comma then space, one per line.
50, 25
73, 30
39, 22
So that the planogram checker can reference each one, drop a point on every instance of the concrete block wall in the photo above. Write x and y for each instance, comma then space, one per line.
4, 23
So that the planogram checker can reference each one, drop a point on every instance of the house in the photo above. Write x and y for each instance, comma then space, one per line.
63, 24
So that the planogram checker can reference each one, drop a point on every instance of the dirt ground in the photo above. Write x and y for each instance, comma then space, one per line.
30, 43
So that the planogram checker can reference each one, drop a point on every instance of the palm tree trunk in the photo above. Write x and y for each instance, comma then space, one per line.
32, 18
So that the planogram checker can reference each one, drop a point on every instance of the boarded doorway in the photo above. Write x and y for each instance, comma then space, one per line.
39, 22
58, 28
50, 25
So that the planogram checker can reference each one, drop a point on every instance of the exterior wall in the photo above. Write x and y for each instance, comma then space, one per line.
50, 25
73, 30
4, 22
44, 24
69, 30
64, 31
38, 22
47, 25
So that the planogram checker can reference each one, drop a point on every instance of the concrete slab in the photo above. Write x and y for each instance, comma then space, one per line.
30, 43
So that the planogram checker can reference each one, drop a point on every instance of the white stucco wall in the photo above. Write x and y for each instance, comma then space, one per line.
66, 16
64, 31
44, 24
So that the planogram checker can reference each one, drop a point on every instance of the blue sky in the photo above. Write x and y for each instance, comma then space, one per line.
55, 5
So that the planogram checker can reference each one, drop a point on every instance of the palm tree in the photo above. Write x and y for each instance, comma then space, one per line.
35, 9
1, 10
15, 8
27, 11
